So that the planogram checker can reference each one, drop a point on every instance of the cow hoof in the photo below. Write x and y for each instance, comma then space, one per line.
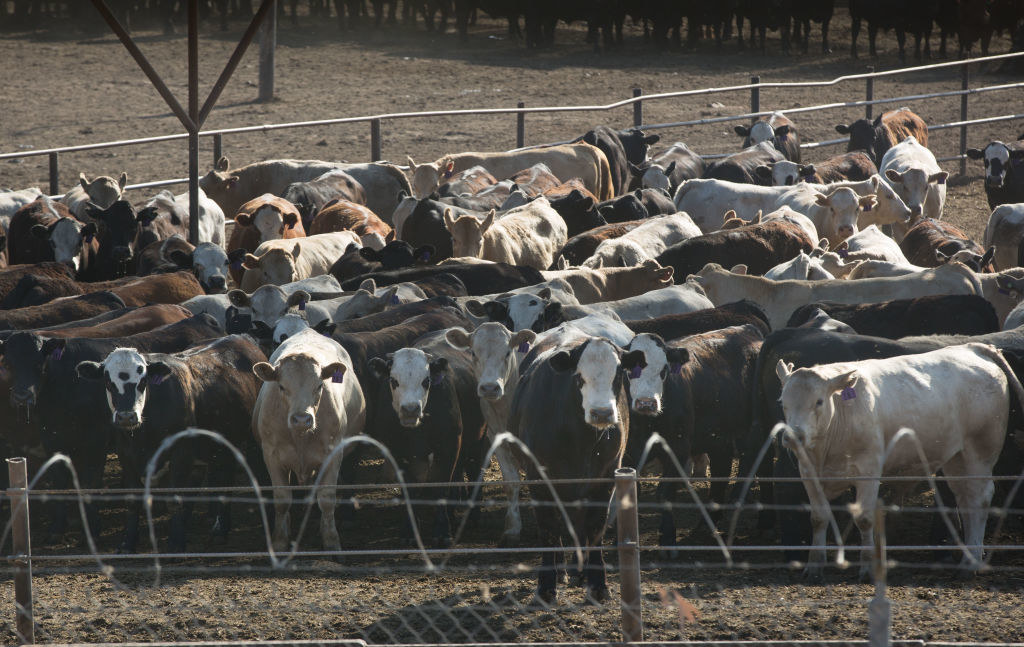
814, 574
596, 595
864, 575
671, 553
545, 599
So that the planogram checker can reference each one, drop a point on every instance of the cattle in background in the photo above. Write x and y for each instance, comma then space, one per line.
103, 191
528, 236
467, 182
340, 215
118, 323
643, 243
625, 208
845, 167
579, 211
775, 129
310, 197
70, 309
902, 16
741, 167
583, 245
612, 283
482, 278
803, 12
151, 396
888, 129
533, 181
947, 314
11, 276
208, 261
931, 243
668, 169
166, 214
1004, 177
232, 189
117, 229
801, 268
974, 23
281, 261
764, 15
1005, 232
622, 148
309, 392
44, 230
835, 215
760, 247
878, 398
11, 201
911, 170
566, 161
424, 226
670, 327
393, 256
574, 397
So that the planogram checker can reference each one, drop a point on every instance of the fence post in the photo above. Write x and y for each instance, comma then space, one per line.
869, 92
17, 471
965, 82
54, 174
520, 126
268, 43
755, 95
375, 154
627, 522
880, 608
638, 108
218, 149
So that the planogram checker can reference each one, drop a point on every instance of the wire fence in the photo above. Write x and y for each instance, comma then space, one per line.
723, 576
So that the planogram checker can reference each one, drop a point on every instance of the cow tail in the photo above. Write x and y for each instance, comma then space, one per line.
997, 356
605, 170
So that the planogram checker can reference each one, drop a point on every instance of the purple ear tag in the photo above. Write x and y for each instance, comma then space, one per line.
237, 265
1003, 291
157, 380
675, 367
523, 348
436, 378
867, 207
57, 353
394, 299
843, 253
88, 238
426, 256
448, 173
338, 376
848, 393
302, 305
941, 180
634, 373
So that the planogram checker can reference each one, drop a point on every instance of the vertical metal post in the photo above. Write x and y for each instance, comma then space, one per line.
638, 108
218, 148
965, 83
17, 471
54, 174
628, 523
375, 154
268, 43
880, 608
869, 92
193, 113
520, 126
755, 95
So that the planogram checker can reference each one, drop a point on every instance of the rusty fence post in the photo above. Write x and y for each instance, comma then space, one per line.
869, 92
520, 126
375, 154
965, 84
628, 523
880, 608
638, 108
268, 45
17, 471
218, 149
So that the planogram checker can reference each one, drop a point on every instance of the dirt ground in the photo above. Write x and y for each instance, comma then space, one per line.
64, 87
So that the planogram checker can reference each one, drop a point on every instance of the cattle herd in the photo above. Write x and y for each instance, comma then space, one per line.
581, 297
971, 22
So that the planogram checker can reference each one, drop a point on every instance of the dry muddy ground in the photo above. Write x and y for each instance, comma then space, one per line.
64, 86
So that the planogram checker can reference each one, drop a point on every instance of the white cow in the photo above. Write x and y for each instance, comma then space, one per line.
530, 235
102, 192
802, 268
1005, 231
286, 260
644, 242
835, 214
11, 201
675, 299
872, 244
844, 418
216, 305
211, 216
913, 173
309, 402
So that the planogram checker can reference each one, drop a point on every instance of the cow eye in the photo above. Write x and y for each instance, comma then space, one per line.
394, 383
819, 402
533, 302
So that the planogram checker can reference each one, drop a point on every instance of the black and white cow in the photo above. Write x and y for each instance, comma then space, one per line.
1004, 176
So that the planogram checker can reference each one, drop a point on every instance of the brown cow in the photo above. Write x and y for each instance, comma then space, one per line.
44, 230
535, 180
10, 276
279, 216
931, 243
172, 287
888, 129
582, 246
613, 283
80, 307
131, 322
339, 215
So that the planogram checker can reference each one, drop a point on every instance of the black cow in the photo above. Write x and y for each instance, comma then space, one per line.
425, 226
1004, 175
479, 278
949, 314
764, 15
151, 396
804, 11
118, 226
657, 202
579, 212
678, 163
888, 129
622, 148
46, 391
310, 197
760, 247
670, 327
622, 209
741, 167
902, 16
395, 255
777, 129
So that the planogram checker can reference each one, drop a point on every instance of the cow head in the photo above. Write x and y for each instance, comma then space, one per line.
636, 143
276, 266
126, 377
221, 186
300, 380
496, 353
69, 239
579, 212
623, 209
209, 262
647, 371
522, 311
844, 206
103, 191
915, 184
119, 228
25, 358
268, 303
809, 399
366, 302
862, 135
596, 365
890, 207
271, 217
650, 275
997, 158
467, 233
656, 176
410, 374
782, 173
288, 326
426, 178
398, 254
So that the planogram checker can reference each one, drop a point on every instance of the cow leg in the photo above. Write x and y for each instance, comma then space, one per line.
666, 494
820, 515
509, 472
973, 497
872, 36
739, 29
854, 32
864, 517
593, 568
326, 499
548, 524
901, 41
282, 502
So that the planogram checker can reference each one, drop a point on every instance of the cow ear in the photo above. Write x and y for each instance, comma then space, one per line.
236, 256
562, 263
739, 269
633, 359
496, 310
763, 171
222, 164
728, 215
677, 356
475, 308
390, 296
181, 258
265, 371
335, 372
544, 293
157, 372
783, 370
986, 260
243, 219
122, 181
298, 298
842, 382
552, 315
296, 251
411, 163
369, 254
651, 140
868, 202
89, 370
40, 231
664, 274
369, 285
379, 368
893, 175
781, 131
54, 347
940, 257
251, 262
449, 219
458, 338
823, 244
488, 221
843, 129
938, 178
325, 327
597, 264
806, 169
290, 219
239, 299
562, 362
975, 153
670, 168
742, 131
822, 200
636, 171
524, 336
83, 181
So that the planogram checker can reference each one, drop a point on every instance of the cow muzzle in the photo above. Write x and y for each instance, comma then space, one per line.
915, 211
846, 232
301, 422
126, 419
217, 285
994, 181
646, 406
601, 417
490, 391
410, 415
